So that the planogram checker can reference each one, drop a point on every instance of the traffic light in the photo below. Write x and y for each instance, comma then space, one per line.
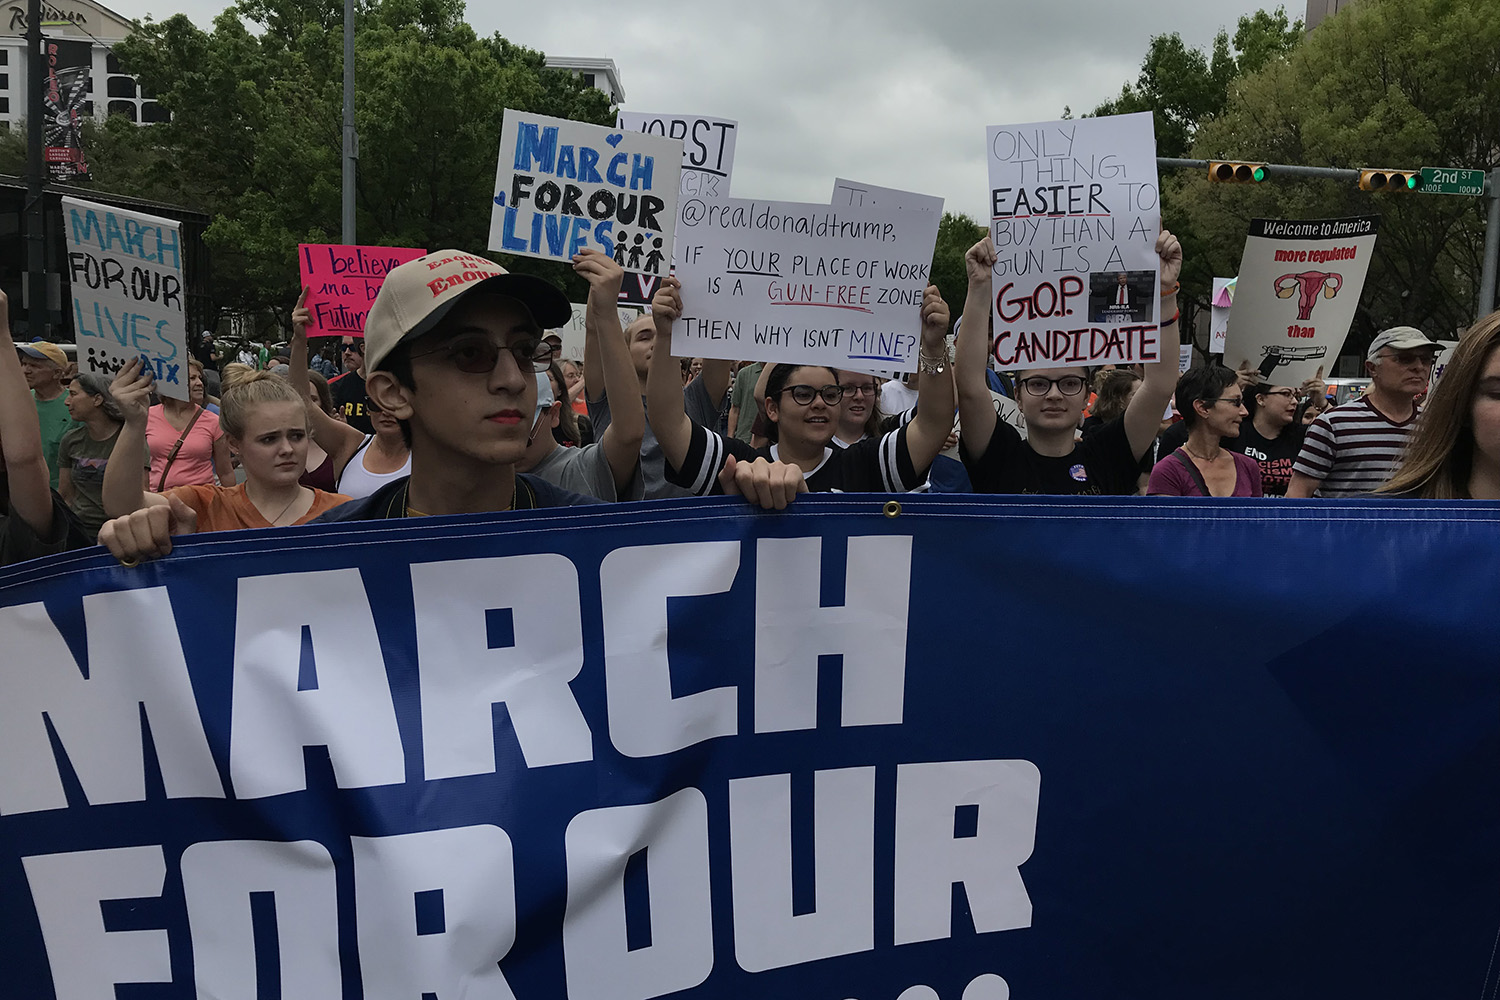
1230, 172
1390, 180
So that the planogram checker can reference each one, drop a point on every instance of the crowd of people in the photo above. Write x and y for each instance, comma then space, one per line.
457, 401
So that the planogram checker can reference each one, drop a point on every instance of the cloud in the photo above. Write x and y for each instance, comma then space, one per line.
879, 91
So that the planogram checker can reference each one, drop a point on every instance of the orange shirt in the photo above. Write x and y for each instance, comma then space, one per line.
221, 509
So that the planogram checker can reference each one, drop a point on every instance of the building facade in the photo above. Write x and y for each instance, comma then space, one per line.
601, 74
109, 90
1317, 10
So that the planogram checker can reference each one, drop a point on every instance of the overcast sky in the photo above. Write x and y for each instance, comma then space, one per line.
879, 91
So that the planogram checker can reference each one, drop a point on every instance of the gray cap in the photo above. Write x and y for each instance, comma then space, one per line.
1400, 338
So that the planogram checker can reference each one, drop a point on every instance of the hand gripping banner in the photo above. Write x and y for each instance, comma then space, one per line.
967, 749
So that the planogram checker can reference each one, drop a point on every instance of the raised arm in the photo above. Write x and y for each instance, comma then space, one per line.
664, 404
929, 429
334, 436
21, 439
603, 336
122, 491
1143, 415
976, 410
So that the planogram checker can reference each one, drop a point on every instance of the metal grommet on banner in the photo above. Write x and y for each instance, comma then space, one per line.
893, 508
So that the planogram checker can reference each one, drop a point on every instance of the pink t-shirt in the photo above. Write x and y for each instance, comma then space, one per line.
194, 465
1170, 478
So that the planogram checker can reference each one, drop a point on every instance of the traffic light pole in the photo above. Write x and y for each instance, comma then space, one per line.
1491, 267
36, 176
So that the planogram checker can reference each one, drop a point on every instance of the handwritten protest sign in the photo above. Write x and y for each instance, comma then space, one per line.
853, 194
1220, 304
125, 273
562, 186
707, 162
573, 334
342, 283
786, 281
1074, 213
1444, 355
1298, 288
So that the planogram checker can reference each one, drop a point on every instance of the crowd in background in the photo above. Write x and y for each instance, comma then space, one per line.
461, 402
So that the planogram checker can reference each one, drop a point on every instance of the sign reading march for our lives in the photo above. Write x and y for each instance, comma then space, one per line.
342, 282
817, 284
125, 277
563, 186
688, 749
1297, 293
1074, 214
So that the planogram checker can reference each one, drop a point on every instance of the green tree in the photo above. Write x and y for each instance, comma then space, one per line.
1388, 83
256, 138
956, 233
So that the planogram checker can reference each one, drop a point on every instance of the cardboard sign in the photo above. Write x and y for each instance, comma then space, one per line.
1298, 288
852, 194
342, 283
573, 334
1444, 355
1074, 213
125, 276
563, 186
1222, 302
786, 281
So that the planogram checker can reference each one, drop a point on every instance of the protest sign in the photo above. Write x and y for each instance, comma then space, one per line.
1297, 292
342, 282
573, 334
563, 186
611, 753
786, 281
707, 162
125, 277
1444, 355
853, 194
1074, 214
707, 148
1219, 306
1184, 358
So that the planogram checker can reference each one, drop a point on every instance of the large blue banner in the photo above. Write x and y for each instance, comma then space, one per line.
969, 749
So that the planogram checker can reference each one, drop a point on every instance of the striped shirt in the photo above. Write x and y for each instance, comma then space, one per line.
874, 465
1353, 449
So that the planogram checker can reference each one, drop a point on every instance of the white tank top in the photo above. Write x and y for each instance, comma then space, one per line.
358, 482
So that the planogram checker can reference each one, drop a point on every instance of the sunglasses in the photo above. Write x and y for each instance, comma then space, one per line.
478, 355
357, 347
803, 395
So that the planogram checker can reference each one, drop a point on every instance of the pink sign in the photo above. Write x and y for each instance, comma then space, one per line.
344, 281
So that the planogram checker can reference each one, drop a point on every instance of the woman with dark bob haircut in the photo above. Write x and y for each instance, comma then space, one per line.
1212, 405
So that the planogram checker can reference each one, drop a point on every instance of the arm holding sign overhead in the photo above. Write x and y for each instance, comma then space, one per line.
928, 431
123, 490
1143, 415
976, 409
605, 342
21, 439
337, 438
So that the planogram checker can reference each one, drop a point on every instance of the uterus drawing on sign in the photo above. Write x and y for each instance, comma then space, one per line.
1309, 283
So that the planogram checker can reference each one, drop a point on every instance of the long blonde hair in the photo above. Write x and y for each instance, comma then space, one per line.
1439, 455
244, 389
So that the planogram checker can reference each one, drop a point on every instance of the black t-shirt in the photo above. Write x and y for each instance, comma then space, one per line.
874, 465
1102, 463
349, 397
1275, 455
19, 543
390, 500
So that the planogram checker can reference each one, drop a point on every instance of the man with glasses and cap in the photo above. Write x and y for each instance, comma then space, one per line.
349, 388
1351, 450
46, 369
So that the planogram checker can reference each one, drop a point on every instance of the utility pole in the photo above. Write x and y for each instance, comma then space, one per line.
36, 174
1487, 276
351, 137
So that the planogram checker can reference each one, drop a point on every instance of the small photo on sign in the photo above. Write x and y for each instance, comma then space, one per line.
1122, 296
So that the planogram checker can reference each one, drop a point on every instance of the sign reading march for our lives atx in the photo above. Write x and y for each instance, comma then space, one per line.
125, 277
816, 284
688, 748
1297, 293
342, 282
563, 186
1074, 214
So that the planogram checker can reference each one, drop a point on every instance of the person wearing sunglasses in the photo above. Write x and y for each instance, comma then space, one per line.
453, 345
1351, 450
803, 404
1050, 459
1212, 405
346, 461
348, 389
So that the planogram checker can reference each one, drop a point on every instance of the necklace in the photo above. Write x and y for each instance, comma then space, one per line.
272, 520
1201, 458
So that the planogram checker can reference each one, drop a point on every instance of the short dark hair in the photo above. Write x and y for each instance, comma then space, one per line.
1208, 382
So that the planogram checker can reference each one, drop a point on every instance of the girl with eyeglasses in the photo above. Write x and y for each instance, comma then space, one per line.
859, 417
803, 407
1051, 459
1212, 405
345, 460
265, 422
